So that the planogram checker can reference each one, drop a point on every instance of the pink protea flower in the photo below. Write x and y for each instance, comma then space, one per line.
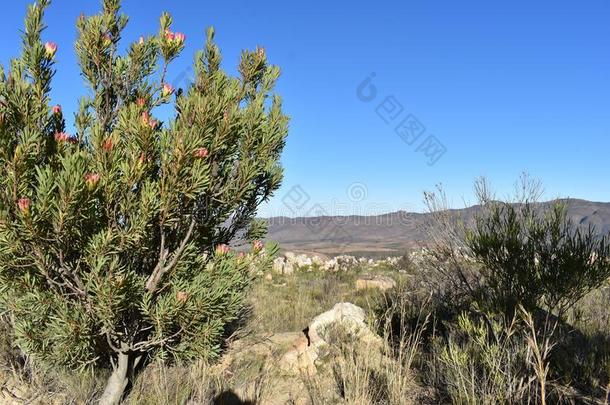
167, 90
141, 101
57, 109
50, 49
24, 205
91, 180
107, 144
179, 37
257, 246
222, 249
169, 35
62, 137
200, 153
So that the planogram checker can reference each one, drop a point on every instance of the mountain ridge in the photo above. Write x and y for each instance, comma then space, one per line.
395, 232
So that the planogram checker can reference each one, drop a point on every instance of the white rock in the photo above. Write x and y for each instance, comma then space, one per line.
278, 265
382, 283
288, 268
351, 318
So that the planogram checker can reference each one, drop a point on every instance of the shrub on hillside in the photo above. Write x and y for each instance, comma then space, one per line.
518, 253
113, 240
536, 257
502, 255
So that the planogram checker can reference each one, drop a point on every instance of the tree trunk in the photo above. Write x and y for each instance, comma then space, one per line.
117, 382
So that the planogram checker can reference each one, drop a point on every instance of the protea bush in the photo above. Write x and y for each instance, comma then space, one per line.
115, 231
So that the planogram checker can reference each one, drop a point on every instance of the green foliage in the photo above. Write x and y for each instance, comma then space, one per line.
484, 360
536, 257
114, 239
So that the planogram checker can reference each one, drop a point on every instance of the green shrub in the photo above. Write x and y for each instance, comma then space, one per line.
488, 359
536, 257
517, 252
113, 240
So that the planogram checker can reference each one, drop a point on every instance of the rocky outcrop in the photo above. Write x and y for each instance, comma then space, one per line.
342, 263
344, 316
291, 262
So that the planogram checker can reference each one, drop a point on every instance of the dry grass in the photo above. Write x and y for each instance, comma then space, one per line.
288, 303
356, 373
372, 373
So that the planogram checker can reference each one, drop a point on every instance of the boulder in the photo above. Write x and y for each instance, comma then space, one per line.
302, 261
305, 353
288, 268
341, 263
278, 265
282, 266
318, 261
382, 283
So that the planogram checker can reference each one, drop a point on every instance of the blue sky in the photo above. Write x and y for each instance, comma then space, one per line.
504, 86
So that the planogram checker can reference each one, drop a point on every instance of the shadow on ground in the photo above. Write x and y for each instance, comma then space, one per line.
230, 398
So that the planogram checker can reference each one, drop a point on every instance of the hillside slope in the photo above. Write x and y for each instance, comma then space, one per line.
393, 233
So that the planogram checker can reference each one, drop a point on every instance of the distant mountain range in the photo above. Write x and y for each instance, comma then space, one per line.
391, 234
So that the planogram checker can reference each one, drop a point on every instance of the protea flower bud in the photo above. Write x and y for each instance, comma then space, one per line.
167, 90
179, 37
169, 35
57, 109
24, 205
182, 296
141, 101
200, 153
91, 180
147, 120
50, 49
141, 41
222, 249
257, 246
62, 137
107, 145
261, 52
